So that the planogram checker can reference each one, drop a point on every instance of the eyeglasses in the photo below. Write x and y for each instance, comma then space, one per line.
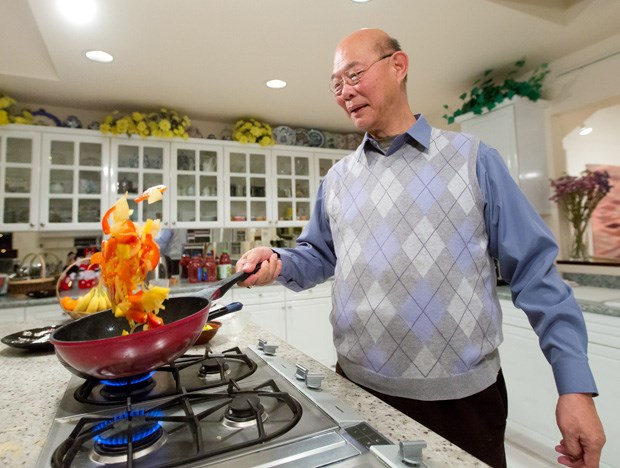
352, 78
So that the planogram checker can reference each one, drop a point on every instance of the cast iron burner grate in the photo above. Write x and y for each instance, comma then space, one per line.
192, 421
188, 373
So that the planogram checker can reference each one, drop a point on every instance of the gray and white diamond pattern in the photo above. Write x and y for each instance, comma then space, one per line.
402, 254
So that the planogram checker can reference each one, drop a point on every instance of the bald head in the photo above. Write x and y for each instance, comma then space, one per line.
370, 40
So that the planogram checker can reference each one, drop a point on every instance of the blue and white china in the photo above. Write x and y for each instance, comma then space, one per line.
284, 135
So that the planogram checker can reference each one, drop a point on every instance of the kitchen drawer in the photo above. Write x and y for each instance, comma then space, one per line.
320, 290
259, 295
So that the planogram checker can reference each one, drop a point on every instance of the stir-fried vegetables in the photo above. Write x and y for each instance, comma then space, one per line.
126, 257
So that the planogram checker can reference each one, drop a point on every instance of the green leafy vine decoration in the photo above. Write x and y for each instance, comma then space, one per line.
486, 93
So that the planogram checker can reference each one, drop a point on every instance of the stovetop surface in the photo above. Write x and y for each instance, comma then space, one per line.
318, 435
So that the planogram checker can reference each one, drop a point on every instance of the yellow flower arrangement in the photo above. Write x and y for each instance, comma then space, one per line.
253, 131
164, 124
7, 117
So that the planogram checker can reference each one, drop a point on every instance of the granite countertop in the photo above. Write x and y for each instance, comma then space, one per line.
595, 300
33, 384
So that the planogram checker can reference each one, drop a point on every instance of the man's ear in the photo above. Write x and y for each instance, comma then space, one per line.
400, 63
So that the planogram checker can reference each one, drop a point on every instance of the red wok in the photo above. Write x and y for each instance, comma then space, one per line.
94, 345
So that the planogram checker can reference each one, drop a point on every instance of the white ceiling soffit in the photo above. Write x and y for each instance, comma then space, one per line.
558, 11
31, 59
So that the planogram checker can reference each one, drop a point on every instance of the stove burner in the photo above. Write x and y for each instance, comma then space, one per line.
119, 389
129, 429
244, 411
213, 368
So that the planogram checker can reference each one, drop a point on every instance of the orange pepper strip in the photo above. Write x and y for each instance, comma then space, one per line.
105, 224
146, 193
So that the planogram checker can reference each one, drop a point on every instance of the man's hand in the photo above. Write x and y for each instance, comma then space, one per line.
582, 431
271, 266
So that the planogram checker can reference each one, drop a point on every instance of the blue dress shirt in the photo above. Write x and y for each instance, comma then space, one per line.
518, 239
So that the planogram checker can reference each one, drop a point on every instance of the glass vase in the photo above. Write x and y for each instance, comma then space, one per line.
579, 248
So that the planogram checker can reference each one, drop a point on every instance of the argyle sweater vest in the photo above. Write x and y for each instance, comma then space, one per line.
415, 312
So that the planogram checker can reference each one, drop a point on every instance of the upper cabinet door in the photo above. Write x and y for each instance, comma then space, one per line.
197, 190
247, 187
74, 181
136, 166
295, 186
19, 177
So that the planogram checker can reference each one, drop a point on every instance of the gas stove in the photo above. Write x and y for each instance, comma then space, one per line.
231, 408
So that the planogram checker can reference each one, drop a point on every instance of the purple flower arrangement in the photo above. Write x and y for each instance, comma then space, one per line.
579, 196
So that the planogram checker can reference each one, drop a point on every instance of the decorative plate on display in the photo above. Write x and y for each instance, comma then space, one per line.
72, 122
284, 135
41, 117
316, 137
301, 137
352, 140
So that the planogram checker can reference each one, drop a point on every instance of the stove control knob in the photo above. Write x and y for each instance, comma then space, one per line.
301, 373
270, 349
411, 452
261, 343
314, 380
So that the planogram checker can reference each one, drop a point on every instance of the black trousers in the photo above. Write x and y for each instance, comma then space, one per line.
476, 423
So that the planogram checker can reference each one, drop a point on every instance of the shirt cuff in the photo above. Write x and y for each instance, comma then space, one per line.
574, 376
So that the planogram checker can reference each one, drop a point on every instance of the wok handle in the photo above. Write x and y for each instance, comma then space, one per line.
229, 282
225, 310
216, 290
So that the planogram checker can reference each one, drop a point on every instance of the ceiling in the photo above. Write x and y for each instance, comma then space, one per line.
210, 59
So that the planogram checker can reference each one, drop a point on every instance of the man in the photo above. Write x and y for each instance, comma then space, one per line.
409, 226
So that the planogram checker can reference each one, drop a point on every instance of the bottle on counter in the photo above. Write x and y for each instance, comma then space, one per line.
183, 263
194, 269
224, 267
209, 268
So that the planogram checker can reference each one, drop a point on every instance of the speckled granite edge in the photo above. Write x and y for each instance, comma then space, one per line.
503, 292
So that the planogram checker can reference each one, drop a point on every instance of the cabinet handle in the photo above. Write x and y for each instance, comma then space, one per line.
41, 224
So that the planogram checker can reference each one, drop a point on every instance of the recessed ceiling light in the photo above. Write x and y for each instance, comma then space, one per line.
583, 130
98, 56
360, 1
78, 11
276, 84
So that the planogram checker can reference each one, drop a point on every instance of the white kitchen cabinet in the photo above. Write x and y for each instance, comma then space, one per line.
293, 174
307, 323
247, 177
325, 160
532, 394
65, 179
198, 185
266, 306
517, 129
74, 180
19, 179
137, 164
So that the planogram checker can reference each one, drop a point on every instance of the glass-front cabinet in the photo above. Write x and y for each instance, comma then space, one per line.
136, 166
294, 184
197, 188
324, 161
65, 179
246, 181
19, 175
75, 174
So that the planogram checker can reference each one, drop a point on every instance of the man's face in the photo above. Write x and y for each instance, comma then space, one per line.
367, 102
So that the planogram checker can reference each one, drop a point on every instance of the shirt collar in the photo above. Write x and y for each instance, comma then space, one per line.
419, 132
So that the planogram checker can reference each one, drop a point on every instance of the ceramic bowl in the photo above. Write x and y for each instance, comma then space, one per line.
208, 333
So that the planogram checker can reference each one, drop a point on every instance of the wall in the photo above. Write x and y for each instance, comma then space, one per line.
582, 87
